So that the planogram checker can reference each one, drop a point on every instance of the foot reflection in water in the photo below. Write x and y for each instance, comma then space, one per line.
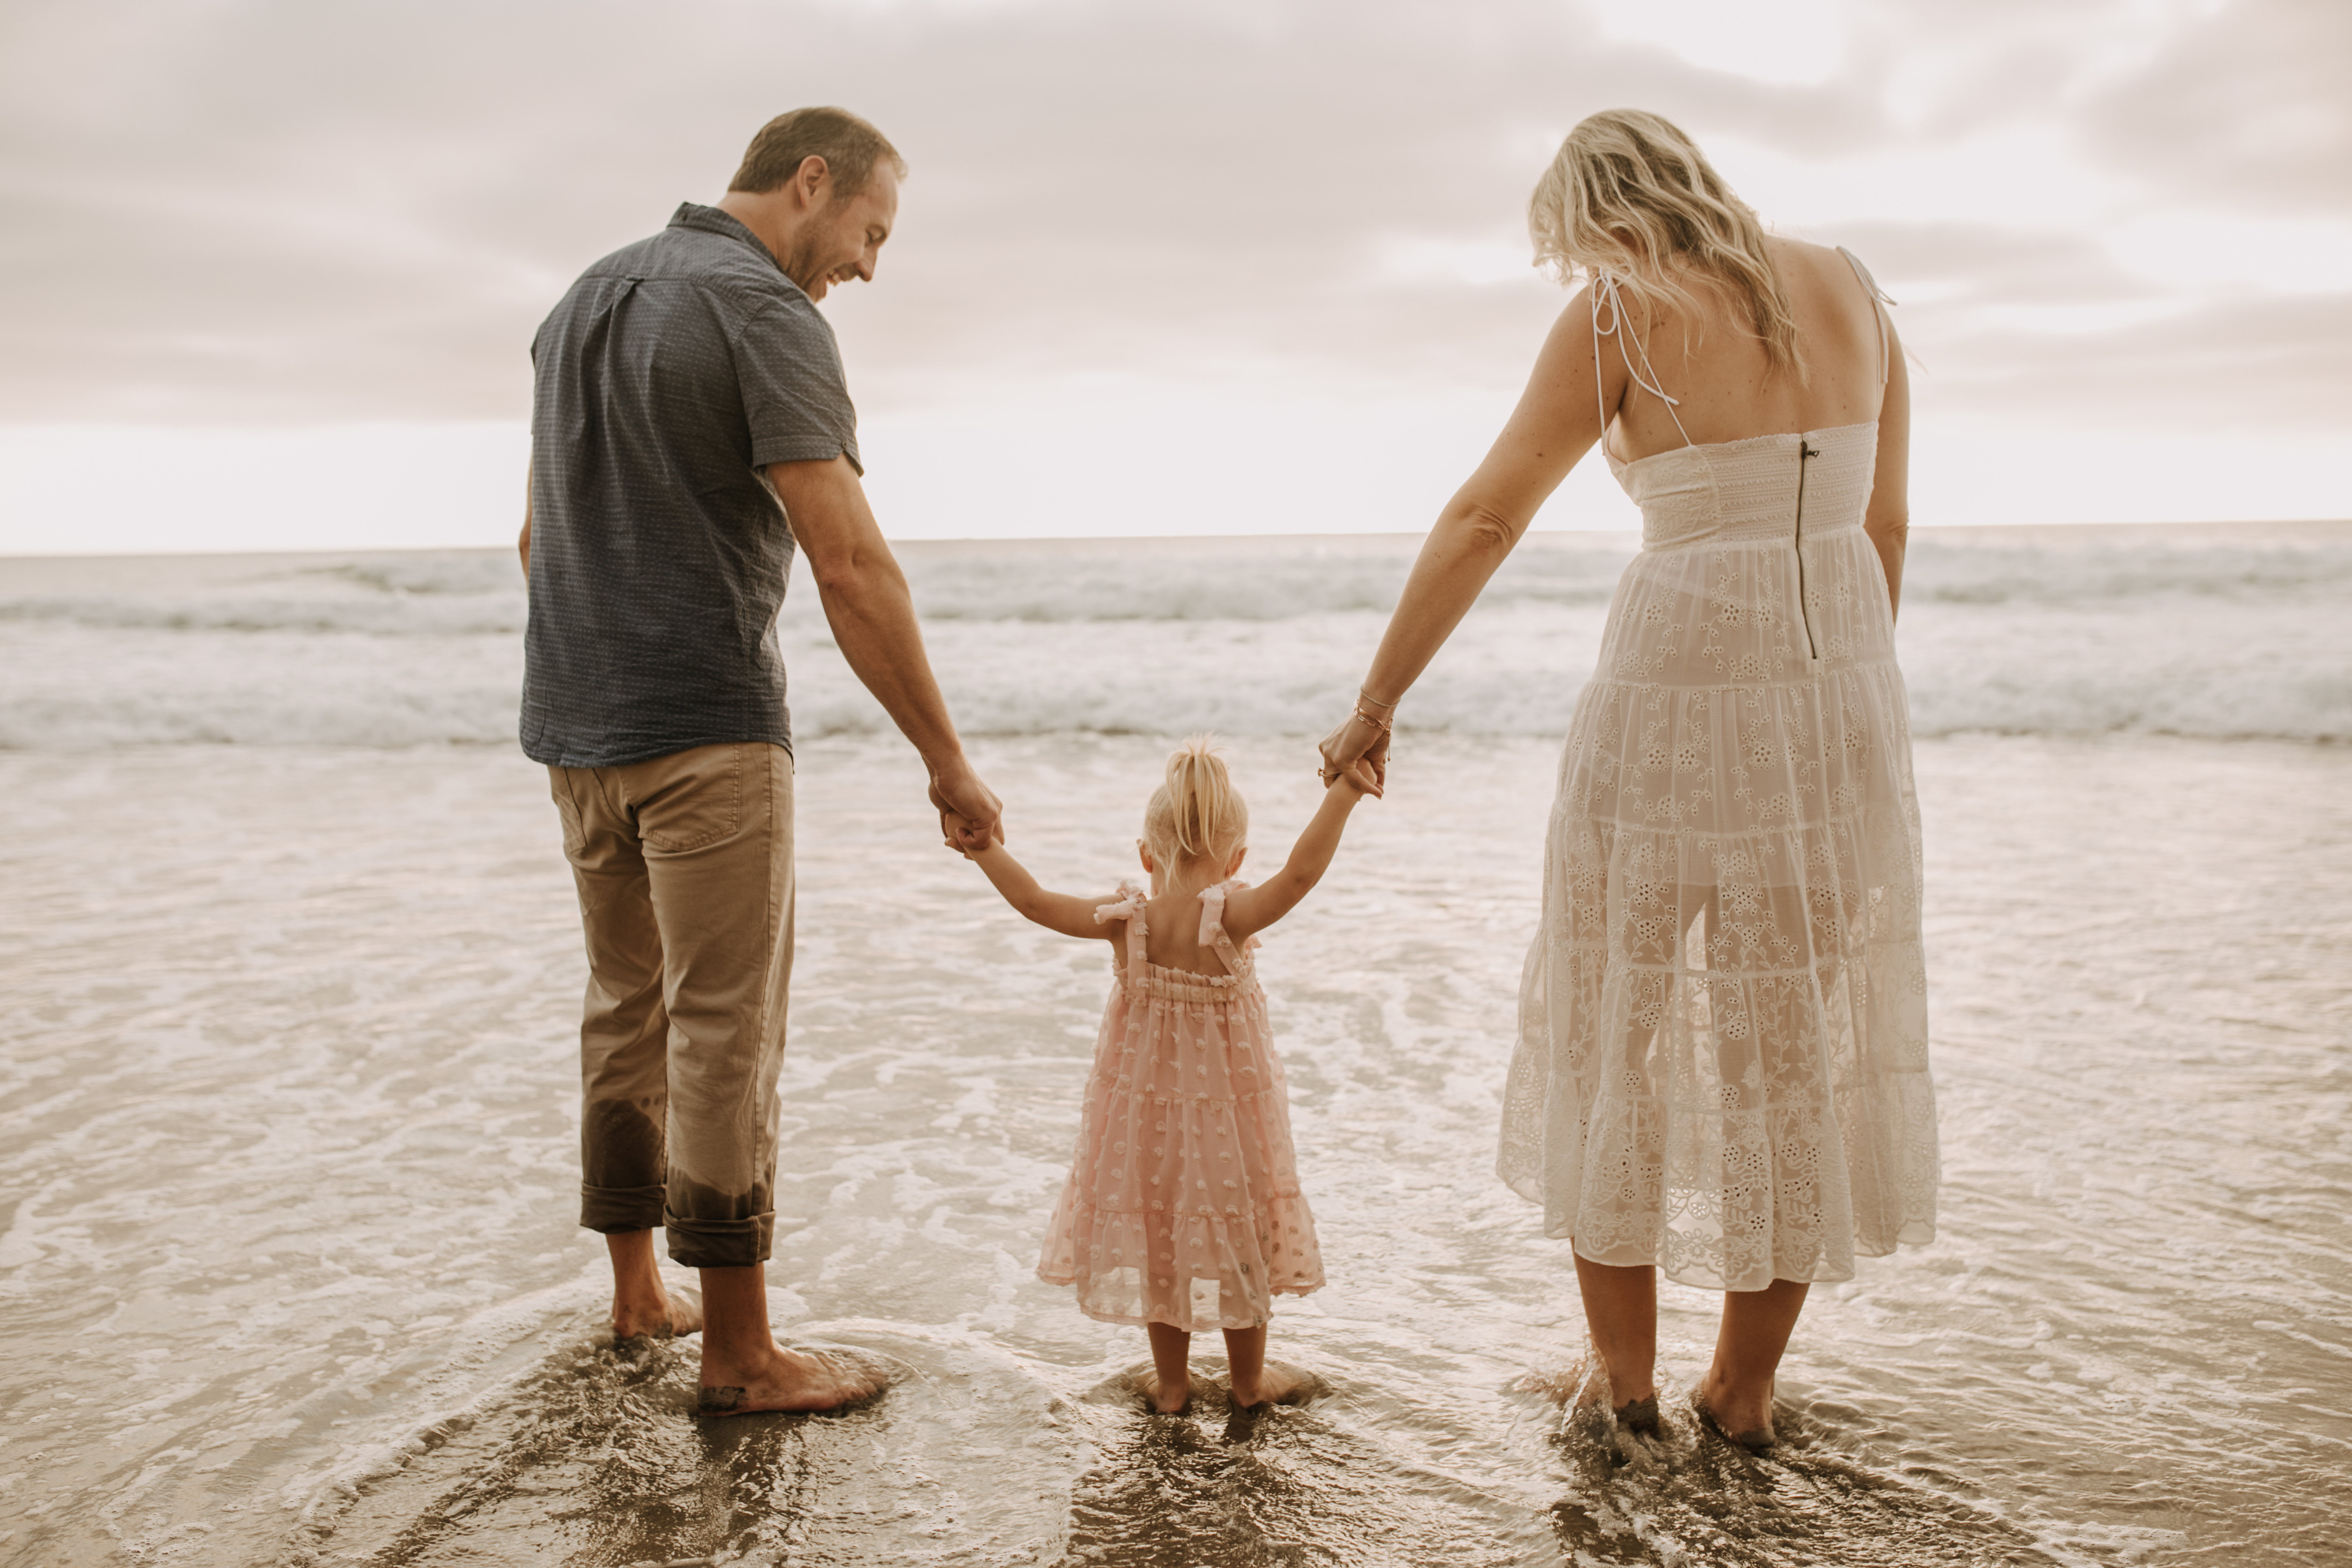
1693, 1495
1219, 1487
597, 1459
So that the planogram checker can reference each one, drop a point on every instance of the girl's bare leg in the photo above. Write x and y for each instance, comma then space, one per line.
1738, 1389
1255, 1382
1246, 1354
1171, 1381
1621, 1308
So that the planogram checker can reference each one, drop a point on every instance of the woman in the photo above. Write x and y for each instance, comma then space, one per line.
1722, 1064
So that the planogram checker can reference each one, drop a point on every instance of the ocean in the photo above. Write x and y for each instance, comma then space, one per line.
289, 1149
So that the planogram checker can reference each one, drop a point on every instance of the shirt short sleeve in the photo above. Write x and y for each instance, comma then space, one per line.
795, 394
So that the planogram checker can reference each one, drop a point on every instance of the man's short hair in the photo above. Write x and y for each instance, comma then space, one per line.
849, 146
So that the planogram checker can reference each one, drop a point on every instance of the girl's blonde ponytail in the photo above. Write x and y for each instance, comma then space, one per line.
1197, 812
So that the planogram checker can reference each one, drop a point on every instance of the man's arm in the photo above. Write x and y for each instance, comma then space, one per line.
524, 544
873, 620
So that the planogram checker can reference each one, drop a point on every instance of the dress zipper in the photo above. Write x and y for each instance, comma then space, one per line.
1804, 610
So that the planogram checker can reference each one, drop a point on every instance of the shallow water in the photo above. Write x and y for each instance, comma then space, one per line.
291, 1276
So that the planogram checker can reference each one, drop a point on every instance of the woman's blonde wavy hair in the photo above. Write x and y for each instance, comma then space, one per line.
1197, 812
1629, 194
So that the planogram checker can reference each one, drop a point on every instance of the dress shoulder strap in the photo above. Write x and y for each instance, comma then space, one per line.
1212, 928
1879, 300
1604, 291
1129, 908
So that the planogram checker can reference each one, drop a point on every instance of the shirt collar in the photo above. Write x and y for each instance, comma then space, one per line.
727, 225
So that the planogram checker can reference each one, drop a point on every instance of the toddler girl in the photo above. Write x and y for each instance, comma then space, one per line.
1183, 1210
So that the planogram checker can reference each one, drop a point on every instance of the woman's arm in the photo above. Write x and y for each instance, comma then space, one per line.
1887, 519
1252, 909
1556, 421
1064, 912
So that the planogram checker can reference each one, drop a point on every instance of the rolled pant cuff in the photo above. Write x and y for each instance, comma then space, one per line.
721, 1243
615, 1211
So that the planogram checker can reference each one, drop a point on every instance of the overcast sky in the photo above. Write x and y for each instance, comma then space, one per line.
1162, 266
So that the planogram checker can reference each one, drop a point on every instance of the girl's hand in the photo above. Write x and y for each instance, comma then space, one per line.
1358, 744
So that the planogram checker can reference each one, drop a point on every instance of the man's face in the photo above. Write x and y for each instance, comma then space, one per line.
842, 239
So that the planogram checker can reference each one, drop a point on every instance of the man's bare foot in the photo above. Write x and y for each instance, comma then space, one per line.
1168, 1401
788, 1380
1277, 1383
671, 1312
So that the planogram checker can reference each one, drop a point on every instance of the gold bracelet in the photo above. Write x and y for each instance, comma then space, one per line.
1382, 726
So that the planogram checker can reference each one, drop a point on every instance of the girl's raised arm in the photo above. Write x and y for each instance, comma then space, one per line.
1065, 912
1251, 910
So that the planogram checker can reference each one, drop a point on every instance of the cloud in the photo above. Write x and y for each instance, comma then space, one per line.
2247, 108
269, 211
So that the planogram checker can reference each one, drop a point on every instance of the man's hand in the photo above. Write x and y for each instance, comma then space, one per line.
971, 817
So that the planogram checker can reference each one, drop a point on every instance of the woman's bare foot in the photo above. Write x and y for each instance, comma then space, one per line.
1166, 1399
787, 1380
1276, 1383
673, 1311
1745, 1416
1624, 1395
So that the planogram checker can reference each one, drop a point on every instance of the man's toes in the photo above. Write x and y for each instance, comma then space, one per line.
851, 1375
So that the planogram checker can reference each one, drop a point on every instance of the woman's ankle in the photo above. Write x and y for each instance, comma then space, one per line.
1624, 1391
1739, 1407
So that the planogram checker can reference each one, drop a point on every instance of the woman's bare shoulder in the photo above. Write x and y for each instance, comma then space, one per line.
1805, 257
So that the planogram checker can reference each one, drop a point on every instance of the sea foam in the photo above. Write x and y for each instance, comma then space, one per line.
2211, 632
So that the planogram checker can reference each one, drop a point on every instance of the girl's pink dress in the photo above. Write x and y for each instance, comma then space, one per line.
1183, 1206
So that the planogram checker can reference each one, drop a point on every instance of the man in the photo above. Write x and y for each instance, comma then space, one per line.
690, 426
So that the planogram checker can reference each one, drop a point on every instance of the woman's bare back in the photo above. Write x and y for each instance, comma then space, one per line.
1714, 364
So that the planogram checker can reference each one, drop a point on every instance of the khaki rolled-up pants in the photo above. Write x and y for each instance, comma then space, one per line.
684, 865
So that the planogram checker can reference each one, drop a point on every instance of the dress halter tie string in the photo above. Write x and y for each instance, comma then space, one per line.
1604, 291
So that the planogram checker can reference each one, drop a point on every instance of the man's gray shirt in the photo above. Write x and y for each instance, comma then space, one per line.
670, 374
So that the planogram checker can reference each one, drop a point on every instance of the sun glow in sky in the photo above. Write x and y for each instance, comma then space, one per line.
1210, 267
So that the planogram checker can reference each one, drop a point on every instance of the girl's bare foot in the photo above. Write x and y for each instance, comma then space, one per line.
1168, 1396
1276, 1383
788, 1380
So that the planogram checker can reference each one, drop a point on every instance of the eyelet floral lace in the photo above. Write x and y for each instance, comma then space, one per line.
1722, 1064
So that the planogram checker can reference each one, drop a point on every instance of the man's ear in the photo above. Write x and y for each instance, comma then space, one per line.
812, 180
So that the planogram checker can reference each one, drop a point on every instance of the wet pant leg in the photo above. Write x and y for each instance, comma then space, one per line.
684, 866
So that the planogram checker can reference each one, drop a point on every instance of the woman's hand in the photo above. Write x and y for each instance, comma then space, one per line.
1358, 746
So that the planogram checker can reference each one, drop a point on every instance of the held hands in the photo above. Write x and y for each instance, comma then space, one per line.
1357, 753
1360, 776
971, 817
